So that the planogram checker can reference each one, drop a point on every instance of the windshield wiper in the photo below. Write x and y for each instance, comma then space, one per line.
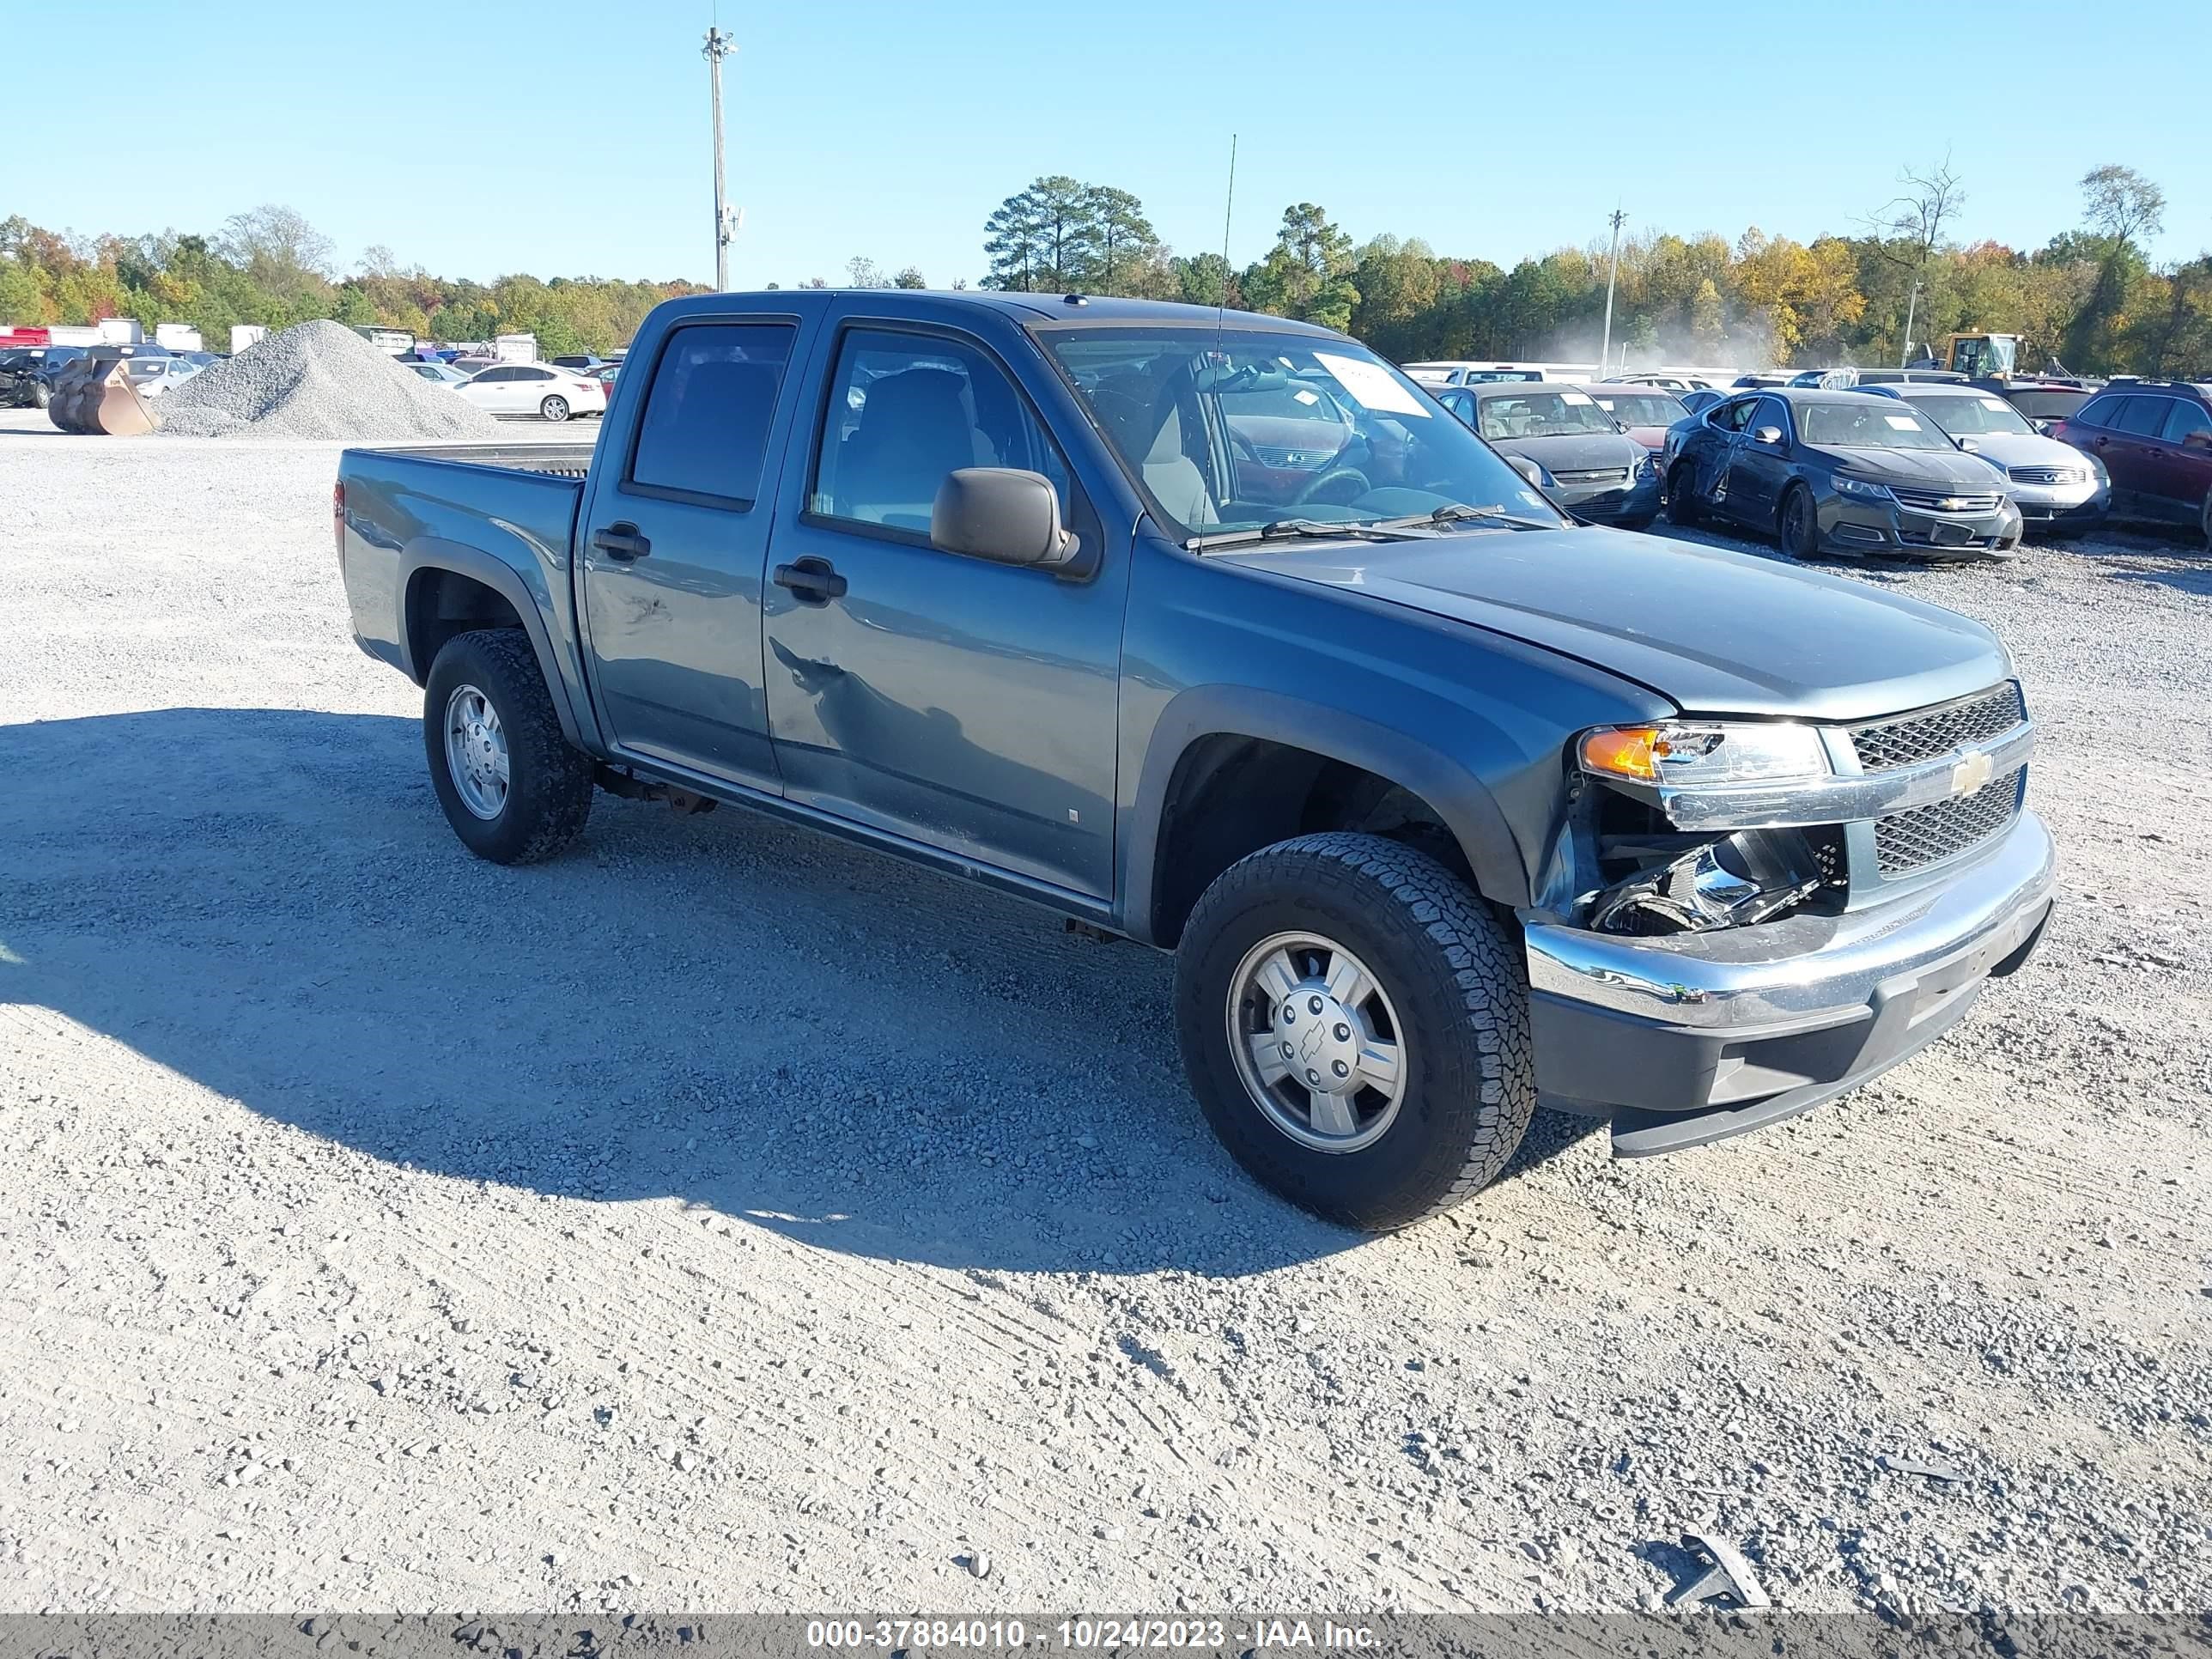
1459, 512
1391, 530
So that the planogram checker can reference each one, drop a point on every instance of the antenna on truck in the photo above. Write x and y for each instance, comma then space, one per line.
1228, 208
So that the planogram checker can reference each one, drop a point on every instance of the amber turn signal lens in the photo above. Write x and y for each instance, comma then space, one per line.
1628, 752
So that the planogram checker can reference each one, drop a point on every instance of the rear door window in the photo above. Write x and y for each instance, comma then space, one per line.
705, 429
2184, 419
2143, 417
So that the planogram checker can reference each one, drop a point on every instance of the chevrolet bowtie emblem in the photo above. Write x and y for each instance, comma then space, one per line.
1971, 773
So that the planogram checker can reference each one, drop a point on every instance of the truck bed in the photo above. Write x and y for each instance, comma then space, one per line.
487, 508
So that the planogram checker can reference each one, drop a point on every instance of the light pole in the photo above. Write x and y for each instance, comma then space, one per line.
1911, 312
719, 45
1613, 270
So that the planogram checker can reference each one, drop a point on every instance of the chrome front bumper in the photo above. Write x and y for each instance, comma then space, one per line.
1694, 1037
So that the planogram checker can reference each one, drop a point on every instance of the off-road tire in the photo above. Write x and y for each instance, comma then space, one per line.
554, 408
1457, 980
550, 783
1684, 510
1808, 546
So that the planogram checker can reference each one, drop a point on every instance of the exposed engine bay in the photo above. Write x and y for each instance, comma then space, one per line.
1659, 881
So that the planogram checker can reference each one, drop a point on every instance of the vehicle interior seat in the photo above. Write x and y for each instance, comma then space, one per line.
1176, 480
918, 426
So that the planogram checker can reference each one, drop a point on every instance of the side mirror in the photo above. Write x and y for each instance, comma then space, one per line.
1002, 514
1767, 435
2043, 427
1528, 469
2199, 438
1971, 446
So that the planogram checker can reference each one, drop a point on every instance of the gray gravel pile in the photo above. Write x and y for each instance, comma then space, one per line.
318, 379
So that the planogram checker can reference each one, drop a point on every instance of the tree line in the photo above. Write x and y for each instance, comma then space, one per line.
2089, 298
270, 266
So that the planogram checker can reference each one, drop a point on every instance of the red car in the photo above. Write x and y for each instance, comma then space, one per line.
2154, 437
1646, 411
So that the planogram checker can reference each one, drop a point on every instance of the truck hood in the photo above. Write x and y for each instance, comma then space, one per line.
1717, 632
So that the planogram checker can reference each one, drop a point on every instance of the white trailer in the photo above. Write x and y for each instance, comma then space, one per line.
121, 331
515, 348
178, 336
243, 334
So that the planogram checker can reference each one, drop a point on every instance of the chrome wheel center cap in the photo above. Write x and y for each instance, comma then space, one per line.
1319, 1040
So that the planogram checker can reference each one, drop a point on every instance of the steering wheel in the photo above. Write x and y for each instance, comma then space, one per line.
1335, 474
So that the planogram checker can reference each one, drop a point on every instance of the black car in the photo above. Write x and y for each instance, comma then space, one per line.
1586, 463
1838, 472
28, 384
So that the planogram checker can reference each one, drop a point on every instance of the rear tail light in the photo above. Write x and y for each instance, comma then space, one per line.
338, 517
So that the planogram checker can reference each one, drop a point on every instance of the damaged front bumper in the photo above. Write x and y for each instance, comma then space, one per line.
1692, 1037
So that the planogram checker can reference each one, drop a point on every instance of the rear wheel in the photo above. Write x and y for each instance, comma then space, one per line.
554, 409
1799, 533
1355, 1025
510, 786
41, 396
1683, 507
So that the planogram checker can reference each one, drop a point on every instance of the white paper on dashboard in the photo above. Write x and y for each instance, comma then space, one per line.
1370, 386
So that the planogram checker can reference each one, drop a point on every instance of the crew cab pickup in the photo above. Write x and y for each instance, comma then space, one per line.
1215, 632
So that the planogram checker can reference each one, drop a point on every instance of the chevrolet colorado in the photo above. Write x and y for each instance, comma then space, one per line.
1215, 632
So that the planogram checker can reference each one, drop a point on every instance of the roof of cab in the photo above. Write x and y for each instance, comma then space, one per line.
1039, 310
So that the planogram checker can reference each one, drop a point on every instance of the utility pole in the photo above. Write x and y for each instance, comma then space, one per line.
719, 46
1911, 312
1613, 270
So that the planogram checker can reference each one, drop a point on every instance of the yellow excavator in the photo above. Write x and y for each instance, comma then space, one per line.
1982, 356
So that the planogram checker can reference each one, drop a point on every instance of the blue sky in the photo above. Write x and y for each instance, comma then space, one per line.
570, 136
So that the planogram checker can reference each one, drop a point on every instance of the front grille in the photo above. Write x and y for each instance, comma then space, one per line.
1929, 835
1927, 500
2049, 475
1884, 745
1606, 474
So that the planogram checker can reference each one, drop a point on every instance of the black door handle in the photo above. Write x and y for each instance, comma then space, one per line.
621, 542
812, 581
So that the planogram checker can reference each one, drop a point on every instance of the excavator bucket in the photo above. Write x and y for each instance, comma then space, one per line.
101, 400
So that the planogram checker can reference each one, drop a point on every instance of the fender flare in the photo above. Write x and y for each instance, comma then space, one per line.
432, 553
1461, 799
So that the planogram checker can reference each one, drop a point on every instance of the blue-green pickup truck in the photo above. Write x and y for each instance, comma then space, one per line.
1215, 632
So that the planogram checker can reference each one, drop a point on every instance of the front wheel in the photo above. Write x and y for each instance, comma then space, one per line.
1355, 1025
1800, 535
554, 409
510, 786
40, 396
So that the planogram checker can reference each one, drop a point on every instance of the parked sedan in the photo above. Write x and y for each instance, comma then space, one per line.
2155, 438
1586, 462
1843, 471
150, 377
438, 374
539, 389
2051, 483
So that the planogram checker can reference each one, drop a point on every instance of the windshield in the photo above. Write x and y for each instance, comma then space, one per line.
1867, 426
1640, 408
1234, 430
1541, 415
1965, 416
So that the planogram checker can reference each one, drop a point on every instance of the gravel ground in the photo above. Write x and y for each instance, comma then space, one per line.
721, 1217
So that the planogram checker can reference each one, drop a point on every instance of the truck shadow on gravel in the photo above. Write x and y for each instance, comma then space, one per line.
750, 1019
